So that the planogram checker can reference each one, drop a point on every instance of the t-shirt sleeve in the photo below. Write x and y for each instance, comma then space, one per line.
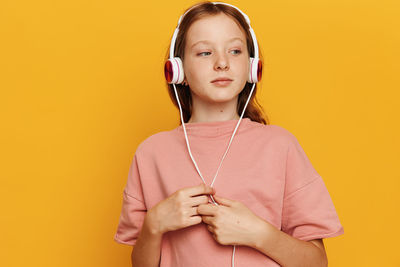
133, 209
308, 212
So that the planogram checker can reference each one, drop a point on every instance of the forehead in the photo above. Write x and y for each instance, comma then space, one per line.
214, 28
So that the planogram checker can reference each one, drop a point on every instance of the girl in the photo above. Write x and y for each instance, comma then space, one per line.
268, 202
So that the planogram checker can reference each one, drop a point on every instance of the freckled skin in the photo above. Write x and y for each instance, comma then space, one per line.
222, 56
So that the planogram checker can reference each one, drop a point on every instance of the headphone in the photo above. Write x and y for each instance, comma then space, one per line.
174, 74
173, 68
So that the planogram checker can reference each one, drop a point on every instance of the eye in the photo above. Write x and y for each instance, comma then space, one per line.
202, 53
238, 51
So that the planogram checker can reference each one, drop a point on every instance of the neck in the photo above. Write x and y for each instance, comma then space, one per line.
194, 119
205, 112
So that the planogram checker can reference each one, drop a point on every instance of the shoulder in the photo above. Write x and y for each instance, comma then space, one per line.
155, 142
274, 133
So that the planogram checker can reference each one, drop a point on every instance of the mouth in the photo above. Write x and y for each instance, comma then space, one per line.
221, 81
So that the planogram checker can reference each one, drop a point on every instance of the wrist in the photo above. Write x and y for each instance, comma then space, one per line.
262, 232
152, 223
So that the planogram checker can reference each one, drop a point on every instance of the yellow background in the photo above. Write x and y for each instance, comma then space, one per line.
82, 85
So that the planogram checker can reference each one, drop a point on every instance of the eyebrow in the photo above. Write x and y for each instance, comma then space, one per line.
207, 42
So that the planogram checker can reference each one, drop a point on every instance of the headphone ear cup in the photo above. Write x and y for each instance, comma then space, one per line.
173, 70
255, 71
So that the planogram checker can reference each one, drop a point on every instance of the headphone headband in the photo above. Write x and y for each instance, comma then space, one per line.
173, 68
253, 36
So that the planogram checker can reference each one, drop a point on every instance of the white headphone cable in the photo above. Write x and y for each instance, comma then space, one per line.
187, 143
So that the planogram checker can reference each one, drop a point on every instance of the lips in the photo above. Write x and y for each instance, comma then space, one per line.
221, 79
221, 82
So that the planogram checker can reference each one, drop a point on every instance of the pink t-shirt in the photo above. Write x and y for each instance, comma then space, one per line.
265, 168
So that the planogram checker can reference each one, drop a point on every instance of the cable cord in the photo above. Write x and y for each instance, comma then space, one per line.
194, 162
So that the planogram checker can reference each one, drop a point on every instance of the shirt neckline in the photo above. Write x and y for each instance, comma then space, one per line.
214, 128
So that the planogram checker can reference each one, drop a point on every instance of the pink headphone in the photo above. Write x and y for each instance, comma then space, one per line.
173, 68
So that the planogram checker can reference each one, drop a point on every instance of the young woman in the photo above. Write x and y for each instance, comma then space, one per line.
268, 202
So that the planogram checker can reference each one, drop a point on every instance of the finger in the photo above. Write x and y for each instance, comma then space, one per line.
206, 209
200, 189
193, 211
210, 228
196, 219
214, 236
195, 201
224, 201
207, 219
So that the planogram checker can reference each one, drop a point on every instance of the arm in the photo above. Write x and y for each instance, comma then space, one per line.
146, 251
232, 223
289, 251
175, 212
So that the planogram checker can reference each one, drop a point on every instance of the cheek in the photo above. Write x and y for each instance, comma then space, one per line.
196, 70
244, 64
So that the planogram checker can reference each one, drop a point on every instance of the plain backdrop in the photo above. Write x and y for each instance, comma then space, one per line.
82, 84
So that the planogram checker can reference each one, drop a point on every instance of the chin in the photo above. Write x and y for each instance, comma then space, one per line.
218, 94
221, 98
224, 94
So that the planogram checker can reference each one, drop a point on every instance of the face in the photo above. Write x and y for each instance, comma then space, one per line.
216, 47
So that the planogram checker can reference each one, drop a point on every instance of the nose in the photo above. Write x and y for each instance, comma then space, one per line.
221, 62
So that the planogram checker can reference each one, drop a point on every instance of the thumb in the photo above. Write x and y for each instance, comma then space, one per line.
223, 201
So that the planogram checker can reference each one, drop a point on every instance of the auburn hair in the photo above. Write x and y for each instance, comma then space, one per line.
254, 111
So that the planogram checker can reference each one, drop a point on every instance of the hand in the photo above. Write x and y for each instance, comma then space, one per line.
179, 210
231, 222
